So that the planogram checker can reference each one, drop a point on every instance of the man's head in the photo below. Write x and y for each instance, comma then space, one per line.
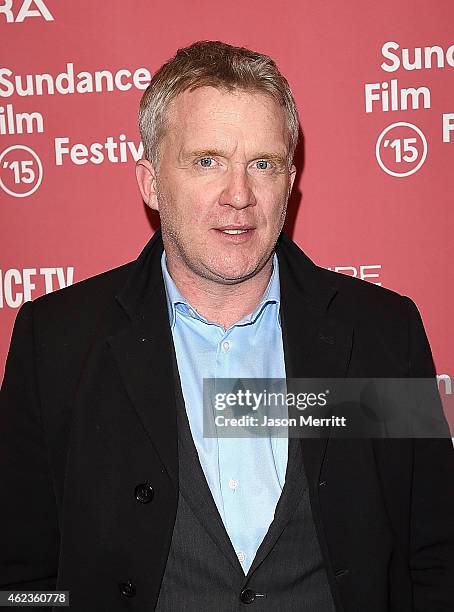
219, 127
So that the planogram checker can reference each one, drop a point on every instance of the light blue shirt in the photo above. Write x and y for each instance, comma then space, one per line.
245, 475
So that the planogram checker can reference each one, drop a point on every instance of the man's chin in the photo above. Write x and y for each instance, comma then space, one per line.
230, 275
230, 279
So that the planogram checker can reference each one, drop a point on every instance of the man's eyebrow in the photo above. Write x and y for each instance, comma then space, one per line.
206, 153
276, 157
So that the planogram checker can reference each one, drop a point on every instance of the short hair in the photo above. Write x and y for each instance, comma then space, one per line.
217, 64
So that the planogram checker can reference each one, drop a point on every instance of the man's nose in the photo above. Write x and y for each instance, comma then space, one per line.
237, 190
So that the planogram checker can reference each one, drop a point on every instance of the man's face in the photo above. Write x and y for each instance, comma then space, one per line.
222, 184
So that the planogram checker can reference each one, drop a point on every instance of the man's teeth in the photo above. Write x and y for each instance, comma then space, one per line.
234, 231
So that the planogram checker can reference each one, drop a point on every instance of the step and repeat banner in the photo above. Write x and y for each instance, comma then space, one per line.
374, 84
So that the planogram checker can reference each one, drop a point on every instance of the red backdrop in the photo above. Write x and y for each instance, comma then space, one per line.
375, 199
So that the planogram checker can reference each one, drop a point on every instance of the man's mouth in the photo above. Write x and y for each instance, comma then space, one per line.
235, 234
235, 229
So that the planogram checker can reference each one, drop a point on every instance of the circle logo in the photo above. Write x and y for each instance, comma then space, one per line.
21, 171
401, 149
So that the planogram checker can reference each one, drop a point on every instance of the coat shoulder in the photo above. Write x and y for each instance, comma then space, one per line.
356, 289
67, 322
350, 293
83, 297
382, 312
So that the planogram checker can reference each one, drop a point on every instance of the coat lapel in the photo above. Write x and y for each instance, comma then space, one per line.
143, 351
316, 344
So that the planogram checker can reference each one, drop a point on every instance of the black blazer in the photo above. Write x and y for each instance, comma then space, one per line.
88, 413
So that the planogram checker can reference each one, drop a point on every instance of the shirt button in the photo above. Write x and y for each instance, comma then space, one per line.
225, 346
233, 484
241, 556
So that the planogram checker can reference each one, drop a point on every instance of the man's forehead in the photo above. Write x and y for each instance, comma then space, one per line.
217, 100
209, 117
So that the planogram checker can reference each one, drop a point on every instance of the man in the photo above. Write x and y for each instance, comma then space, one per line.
110, 489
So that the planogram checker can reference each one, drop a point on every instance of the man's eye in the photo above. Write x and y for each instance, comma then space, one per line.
206, 162
262, 164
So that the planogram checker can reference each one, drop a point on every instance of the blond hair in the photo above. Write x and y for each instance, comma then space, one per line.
219, 65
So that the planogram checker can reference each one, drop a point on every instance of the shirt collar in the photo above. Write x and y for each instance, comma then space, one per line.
175, 300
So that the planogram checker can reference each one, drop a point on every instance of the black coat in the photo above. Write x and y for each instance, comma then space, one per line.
88, 413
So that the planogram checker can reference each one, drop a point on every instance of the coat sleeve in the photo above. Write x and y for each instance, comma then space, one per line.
432, 505
29, 535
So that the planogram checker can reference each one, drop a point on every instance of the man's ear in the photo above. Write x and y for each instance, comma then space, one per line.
146, 179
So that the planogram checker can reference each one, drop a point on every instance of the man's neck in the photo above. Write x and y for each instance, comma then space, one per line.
224, 304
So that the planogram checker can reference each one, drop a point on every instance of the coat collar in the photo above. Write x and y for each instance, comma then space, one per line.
316, 343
